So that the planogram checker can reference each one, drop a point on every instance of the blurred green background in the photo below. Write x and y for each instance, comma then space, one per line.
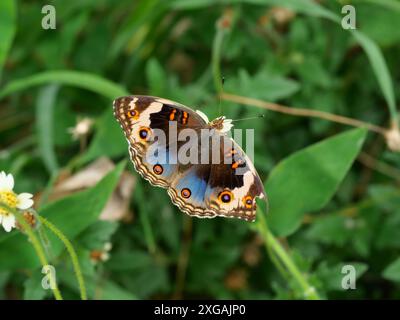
331, 204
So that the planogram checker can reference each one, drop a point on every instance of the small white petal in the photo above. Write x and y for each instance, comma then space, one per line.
24, 201
3, 179
1, 218
105, 256
8, 222
107, 246
6, 181
203, 116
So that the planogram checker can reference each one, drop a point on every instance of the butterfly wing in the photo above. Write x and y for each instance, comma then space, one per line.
223, 189
202, 190
142, 116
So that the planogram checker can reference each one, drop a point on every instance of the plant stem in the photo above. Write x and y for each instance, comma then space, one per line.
382, 167
183, 258
36, 245
270, 241
303, 112
72, 253
276, 261
45, 241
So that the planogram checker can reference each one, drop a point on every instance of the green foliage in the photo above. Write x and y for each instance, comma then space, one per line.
326, 162
69, 214
392, 271
45, 121
328, 208
7, 27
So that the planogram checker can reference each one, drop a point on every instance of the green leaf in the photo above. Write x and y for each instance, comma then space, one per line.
392, 271
78, 79
380, 69
306, 180
112, 291
7, 27
330, 229
33, 286
389, 4
262, 86
96, 235
384, 28
45, 118
190, 4
332, 276
131, 261
71, 215
98, 289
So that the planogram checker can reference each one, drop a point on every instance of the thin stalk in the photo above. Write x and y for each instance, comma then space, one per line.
276, 261
382, 167
72, 253
303, 112
308, 290
45, 241
183, 256
36, 245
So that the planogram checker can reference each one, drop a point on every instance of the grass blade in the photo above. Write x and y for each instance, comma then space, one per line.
45, 104
78, 79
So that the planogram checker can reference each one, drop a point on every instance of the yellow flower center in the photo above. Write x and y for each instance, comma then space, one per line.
10, 199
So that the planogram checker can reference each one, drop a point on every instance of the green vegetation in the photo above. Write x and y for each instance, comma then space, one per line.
327, 148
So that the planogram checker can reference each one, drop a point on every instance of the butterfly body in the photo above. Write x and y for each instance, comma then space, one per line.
209, 185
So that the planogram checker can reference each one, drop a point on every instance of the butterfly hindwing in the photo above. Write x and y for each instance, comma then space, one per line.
223, 189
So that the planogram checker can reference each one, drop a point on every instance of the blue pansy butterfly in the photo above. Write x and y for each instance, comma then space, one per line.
204, 189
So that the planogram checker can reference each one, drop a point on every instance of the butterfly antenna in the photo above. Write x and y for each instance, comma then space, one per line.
250, 118
219, 96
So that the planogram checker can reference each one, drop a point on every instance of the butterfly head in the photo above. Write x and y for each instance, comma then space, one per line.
221, 123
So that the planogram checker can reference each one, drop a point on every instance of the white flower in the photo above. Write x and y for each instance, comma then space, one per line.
101, 255
21, 201
81, 129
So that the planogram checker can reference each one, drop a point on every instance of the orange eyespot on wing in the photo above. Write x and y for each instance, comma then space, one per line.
133, 114
186, 193
248, 202
158, 169
225, 196
144, 133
